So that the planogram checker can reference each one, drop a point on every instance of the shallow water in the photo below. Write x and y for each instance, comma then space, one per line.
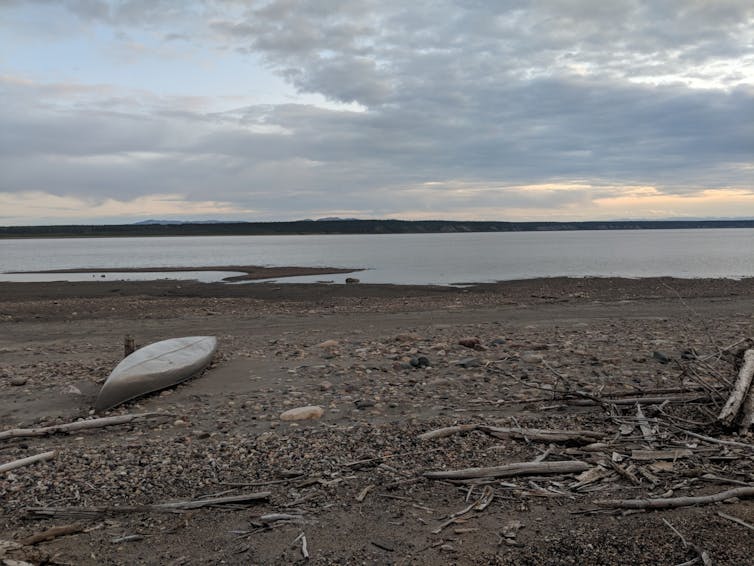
402, 258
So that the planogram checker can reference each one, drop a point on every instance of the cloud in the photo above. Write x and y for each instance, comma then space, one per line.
438, 109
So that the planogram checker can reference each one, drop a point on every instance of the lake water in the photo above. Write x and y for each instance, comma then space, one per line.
402, 258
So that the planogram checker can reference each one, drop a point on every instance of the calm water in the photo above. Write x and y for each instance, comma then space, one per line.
405, 258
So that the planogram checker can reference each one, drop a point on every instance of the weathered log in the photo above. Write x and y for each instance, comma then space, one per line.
674, 502
509, 470
78, 425
26, 461
741, 389
174, 507
546, 435
52, 533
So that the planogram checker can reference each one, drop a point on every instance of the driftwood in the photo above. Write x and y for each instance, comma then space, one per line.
174, 507
545, 435
741, 389
509, 470
25, 461
736, 520
674, 502
78, 425
687, 398
447, 431
52, 533
673, 454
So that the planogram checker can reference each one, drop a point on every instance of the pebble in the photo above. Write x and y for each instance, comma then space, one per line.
18, 380
530, 358
302, 413
469, 362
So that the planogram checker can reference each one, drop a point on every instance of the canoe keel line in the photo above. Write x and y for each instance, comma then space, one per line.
155, 367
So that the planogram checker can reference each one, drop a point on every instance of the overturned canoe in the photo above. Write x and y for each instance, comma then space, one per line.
156, 367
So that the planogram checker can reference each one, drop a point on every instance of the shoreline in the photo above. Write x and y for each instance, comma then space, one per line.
386, 364
571, 289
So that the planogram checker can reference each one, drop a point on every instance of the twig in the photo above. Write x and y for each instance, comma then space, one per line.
736, 520
706, 560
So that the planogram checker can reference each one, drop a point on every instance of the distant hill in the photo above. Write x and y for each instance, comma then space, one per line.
342, 226
174, 222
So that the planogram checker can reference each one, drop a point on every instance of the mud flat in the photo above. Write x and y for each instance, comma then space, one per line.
492, 366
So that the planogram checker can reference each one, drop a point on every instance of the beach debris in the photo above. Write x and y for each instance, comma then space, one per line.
172, 507
26, 461
302, 413
740, 404
88, 424
52, 533
701, 554
510, 470
675, 502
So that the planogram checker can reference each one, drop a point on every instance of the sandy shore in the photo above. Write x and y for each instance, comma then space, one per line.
386, 363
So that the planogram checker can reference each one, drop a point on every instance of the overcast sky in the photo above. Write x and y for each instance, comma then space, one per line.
273, 110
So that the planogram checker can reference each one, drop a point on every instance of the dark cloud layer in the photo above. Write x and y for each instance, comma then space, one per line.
453, 106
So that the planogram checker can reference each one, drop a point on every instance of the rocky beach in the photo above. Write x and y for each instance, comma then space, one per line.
319, 432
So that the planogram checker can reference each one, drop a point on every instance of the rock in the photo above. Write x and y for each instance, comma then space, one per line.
352, 280
328, 344
18, 380
302, 413
498, 342
689, 354
660, 357
420, 362
363, 403
530, 358
325, 386
469, 362
470, 342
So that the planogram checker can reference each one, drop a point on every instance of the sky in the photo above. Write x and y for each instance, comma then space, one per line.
120, 111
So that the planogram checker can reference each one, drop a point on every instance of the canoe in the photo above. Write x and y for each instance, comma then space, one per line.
154, 367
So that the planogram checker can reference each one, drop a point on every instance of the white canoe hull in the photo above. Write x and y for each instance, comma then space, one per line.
154, 367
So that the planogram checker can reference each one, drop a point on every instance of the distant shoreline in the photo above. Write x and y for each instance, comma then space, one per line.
311, 227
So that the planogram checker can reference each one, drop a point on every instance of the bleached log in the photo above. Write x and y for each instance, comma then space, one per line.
26, 461
78, 425
741, 389
674, 502
747, 412
510, 470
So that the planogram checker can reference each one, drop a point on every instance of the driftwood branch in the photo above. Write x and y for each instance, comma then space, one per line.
741, 389
545, 435
509, 470
79, 425
174, 507
26, 461
52, 533
447, 431
674, 502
